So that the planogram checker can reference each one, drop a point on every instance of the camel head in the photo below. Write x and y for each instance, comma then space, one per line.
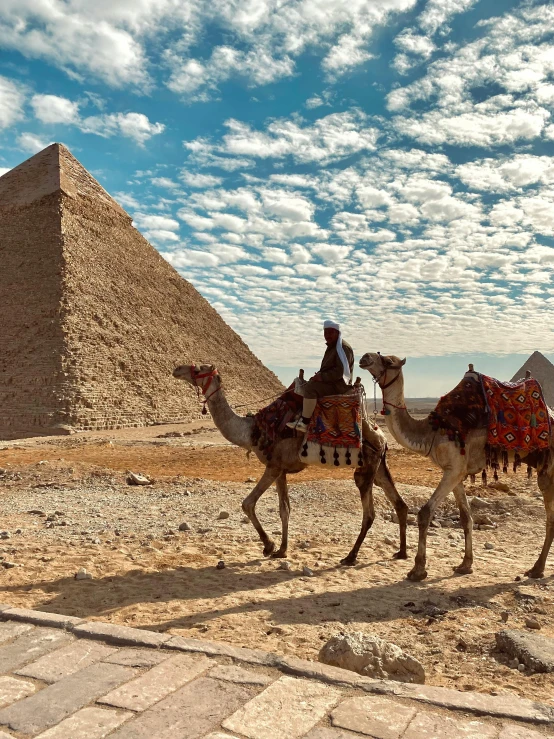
198, 375
380, 366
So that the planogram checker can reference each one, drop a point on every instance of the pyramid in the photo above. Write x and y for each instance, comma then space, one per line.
543, 371
93, 318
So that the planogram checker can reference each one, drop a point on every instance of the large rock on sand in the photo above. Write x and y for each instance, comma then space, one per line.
534, 650
372, 657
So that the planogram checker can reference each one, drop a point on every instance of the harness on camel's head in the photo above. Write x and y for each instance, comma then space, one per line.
377, 381
204, 387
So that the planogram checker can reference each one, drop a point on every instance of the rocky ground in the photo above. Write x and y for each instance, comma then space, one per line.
66, 505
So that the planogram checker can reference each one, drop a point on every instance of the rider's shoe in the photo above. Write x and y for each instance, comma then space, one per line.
299, 426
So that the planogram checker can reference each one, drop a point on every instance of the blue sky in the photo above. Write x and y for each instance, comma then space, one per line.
385, 163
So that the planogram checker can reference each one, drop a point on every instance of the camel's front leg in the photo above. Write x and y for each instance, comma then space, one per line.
546, 485
383, 479
449, 481
466, 519
363, 478
284, 512
249, 506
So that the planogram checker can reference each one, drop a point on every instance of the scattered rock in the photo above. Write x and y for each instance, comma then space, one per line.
220, 565
479, 503
83, 574
5, 535
97, 541
412, 520
390, 541
8, 565
528, 594
534, 650
36, 512
504, 615
250, 479
184, 526
306, 571
502, 486
435, 524
284, 565
532, 623
135, 478
482, 519
514, 663
488, 545
372, 657
223, 515
245, 519
204, 530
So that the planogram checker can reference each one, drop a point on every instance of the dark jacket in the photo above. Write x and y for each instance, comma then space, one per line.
332, 369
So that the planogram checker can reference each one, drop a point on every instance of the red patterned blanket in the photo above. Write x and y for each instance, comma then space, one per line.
518, 416
271, 421
336, 422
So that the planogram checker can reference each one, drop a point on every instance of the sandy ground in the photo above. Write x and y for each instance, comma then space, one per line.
66, 505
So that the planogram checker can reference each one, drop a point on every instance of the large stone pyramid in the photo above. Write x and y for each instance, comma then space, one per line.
543, 371
93, 319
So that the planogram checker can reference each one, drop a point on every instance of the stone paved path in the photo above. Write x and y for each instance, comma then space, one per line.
65, 678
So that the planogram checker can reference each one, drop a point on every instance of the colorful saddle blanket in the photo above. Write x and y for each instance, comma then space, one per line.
514, 414
271, 421
518, 416
335, 432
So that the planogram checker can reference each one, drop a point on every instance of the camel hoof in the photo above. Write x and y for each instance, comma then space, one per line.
463, 569
279, 554
349, 561
534, 574
400, 555
416, 575
269, 548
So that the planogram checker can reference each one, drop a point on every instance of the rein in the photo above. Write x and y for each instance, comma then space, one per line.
383, 374
200, 376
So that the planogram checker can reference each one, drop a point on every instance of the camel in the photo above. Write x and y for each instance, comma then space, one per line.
285, 460
419, 437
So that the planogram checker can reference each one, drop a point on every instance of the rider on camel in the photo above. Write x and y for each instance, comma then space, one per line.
334, 376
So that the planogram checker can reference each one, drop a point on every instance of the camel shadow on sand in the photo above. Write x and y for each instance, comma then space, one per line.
381, 602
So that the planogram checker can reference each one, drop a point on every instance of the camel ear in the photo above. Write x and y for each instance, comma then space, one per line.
403, 362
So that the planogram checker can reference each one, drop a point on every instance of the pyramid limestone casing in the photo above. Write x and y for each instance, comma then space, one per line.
93, 318
543, 371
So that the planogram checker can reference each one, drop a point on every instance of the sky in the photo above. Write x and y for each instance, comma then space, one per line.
388, 164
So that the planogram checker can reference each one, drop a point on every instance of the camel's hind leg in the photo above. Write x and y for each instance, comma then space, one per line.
284, 512
449, 481
546, 485
383, 479
466, 519
363, 477
249, 506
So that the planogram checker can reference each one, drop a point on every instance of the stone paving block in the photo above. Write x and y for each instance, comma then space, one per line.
323, 732
9, 631
138, 657
66, 661
193, 711
434, 726
40, 618
501, 706
124, 635
158, 682
30, 646
220, 649
377, 717
234, 674
302, 704
56, 702
88, 723
510, 731
12, 690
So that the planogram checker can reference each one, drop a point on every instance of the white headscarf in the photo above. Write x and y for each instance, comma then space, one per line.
347, 374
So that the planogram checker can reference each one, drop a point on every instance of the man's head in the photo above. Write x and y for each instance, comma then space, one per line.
331, 332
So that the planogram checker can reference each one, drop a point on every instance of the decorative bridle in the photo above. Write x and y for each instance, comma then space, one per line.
197, 375
377, 381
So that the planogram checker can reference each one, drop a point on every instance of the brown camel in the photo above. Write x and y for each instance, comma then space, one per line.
286, 460
418, 436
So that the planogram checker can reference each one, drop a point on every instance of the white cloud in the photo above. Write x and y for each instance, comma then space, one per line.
135, 126
439, 12
197, 179
55, 109
507, 174
4, 170
12, 99
31, 143
165, 182
150, 222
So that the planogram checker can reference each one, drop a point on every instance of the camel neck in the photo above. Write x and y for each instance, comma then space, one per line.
236, 429
411, 433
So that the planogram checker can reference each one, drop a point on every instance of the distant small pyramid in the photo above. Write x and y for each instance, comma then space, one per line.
541, 369
94, 319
